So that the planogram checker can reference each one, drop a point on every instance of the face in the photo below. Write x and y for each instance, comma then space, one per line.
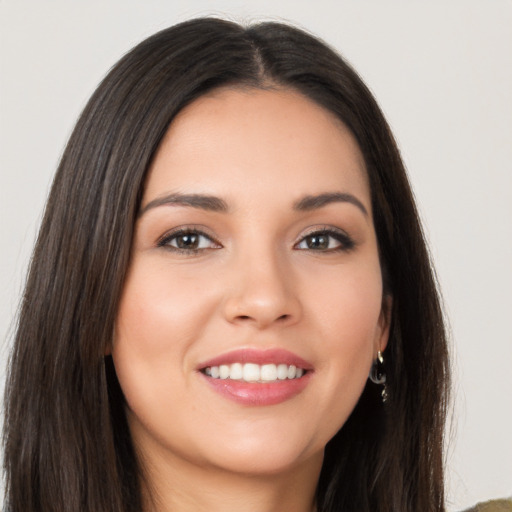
252, 308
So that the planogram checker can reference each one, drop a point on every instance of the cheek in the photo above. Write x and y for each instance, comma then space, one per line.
159, 318
347, 313
347, 307
159, 310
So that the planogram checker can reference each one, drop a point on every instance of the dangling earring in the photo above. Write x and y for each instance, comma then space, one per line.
378, 375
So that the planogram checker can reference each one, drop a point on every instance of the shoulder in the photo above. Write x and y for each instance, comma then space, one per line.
492, 506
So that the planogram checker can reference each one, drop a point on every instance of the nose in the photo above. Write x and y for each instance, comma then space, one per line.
263, 293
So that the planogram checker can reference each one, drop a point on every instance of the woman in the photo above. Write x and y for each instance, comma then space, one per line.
229, 248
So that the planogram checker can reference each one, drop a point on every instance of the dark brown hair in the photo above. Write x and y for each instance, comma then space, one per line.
67, 444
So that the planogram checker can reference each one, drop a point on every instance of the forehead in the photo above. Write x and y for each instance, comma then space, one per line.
236, 138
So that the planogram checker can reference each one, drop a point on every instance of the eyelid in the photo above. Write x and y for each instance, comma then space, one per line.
163, 241
346, 242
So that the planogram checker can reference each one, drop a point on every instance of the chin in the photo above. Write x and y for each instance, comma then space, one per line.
267, 462
265, 451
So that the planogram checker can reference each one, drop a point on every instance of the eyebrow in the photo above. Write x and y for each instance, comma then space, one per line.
318, 201
216, 204
203, 202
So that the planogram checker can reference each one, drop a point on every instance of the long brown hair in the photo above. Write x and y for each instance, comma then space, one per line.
67, 444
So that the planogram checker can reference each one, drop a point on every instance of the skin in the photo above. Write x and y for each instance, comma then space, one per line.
254, 282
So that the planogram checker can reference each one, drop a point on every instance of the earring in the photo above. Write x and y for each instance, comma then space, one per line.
378, 375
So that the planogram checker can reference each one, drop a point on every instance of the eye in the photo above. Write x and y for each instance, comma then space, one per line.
326, 240
188, 240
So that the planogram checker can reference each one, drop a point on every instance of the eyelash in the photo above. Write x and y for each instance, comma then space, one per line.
346, 243
166, 240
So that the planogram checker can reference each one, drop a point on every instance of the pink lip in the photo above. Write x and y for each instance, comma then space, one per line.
269, 356
258, 393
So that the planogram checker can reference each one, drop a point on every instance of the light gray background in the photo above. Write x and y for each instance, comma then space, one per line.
442, 72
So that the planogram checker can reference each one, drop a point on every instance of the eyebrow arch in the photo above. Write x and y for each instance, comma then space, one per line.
203, 202
314, 202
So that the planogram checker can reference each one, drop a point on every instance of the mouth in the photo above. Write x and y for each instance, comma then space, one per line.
252, 372
257, 377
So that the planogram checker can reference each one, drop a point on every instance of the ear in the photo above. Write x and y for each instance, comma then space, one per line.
384, 324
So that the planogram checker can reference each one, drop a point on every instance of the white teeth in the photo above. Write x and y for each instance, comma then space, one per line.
237, 371
282, 371
223, 371
251, 372
268, 372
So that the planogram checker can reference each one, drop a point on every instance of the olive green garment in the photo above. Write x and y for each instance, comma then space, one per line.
492, 506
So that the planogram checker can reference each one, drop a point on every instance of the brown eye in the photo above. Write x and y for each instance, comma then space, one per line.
320, 242
188, 241
326, 241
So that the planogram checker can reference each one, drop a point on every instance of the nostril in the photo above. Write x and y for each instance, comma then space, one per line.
281, 318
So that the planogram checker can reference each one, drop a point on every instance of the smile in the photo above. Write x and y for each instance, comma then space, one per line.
252, 372
254, 377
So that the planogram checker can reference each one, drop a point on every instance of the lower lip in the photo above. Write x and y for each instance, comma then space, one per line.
256, 393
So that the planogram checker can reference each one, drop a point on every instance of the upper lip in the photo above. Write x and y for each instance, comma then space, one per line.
258, 356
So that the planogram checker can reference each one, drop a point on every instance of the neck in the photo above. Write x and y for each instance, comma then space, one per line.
184, 487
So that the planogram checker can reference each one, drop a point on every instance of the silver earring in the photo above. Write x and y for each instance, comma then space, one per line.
378, 375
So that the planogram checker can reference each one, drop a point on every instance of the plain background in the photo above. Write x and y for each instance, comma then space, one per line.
441, 71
